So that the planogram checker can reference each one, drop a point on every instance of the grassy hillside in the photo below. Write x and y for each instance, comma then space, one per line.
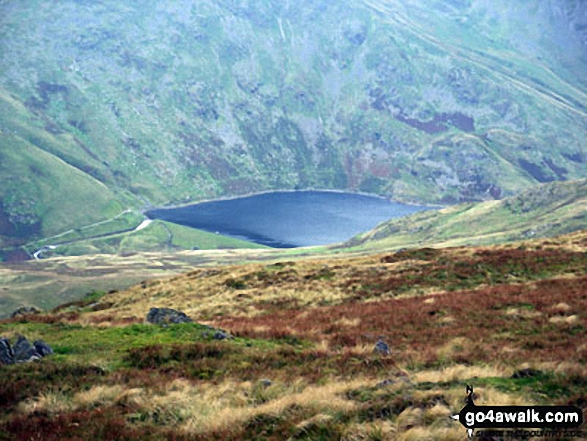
158, 236
41, 194
544, 211
164, 104
301, 365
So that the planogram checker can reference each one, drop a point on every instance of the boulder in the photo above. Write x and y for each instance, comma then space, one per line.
42, 348
24, 351
381, 348
221, 335
6, 353
163, 316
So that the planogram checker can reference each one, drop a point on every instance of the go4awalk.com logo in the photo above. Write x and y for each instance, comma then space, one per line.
551, 419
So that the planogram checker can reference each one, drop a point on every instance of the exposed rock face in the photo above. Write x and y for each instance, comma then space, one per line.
162, 316
22, 351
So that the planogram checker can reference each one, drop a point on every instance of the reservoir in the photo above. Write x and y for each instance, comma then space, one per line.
289, 219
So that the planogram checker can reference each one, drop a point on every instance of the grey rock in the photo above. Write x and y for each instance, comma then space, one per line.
216, 334
381, 348
162, 316
266, 382
25, 310
221, 335
24, 350
42, 348
6, 353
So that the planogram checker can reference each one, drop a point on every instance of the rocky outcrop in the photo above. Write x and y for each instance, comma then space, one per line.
167, 316
25, 310
164, 316
22, 351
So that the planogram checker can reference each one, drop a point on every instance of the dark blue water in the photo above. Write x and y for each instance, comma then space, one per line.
289, 219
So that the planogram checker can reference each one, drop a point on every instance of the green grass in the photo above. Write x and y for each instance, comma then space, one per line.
86, 344
41, 189
543, 211
189, 238
159, 236
547, 211
59, 208
123, 221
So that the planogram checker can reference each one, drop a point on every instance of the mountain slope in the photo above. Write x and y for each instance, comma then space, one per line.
164, 104
299, 361
41, 193
544, 211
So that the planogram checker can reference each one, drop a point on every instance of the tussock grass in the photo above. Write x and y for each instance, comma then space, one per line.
50, 403
460, 372
431, 434
372, 431
53, 403
204, 408
317, 398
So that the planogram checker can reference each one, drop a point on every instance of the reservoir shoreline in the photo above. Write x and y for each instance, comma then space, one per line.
289, 219
258, 193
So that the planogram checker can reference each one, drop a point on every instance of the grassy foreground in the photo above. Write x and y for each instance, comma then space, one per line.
451, 317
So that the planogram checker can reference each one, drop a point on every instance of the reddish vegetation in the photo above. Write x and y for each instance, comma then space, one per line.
451, 272
103, 423
412, 325
45, 318
216, 361
492, 306
28, 382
